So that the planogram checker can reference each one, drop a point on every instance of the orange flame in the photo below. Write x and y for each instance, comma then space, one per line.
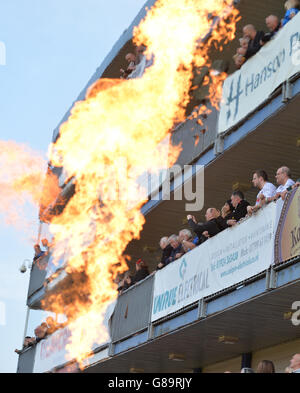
109, 140
112, 138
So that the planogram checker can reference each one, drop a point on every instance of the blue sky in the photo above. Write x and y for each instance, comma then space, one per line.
52, 49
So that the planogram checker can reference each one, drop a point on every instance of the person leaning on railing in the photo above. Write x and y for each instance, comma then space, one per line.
214, 223
284, 182
166, 252
240, 206
141, 271
267, 190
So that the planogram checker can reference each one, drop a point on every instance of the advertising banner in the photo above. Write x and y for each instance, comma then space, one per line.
250, 86
287, 244
222, 261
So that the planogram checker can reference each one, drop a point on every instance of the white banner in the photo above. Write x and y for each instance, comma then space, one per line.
224, 260
51, 352
250, 86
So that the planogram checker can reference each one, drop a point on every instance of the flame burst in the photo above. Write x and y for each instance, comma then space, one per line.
113, 137
23, 184
110, 139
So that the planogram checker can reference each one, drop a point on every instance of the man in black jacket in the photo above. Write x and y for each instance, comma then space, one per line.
214, 223
255, 37
166, 252
240, 207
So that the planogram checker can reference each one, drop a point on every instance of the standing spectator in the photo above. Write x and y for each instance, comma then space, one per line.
292, 7
141, 271
131, 59
295, 363
254, 37
283, 179
266, 367
274, 25
267, 189
240, 206
166, 252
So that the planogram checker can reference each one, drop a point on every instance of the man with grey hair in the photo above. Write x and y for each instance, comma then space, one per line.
166, 251
255, 37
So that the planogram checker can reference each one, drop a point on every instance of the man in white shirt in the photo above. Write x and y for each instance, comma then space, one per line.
295, 363
284, 181
267, 190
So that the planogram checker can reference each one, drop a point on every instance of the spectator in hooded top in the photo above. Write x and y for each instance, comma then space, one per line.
177, 249
166, 251
141, 271
214, 223
292, 9
254, 37
267, 189
274, 25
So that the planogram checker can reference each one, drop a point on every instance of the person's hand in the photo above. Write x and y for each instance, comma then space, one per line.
241, 51
231, 223
178, 255
189, 217
250, 210
283, 194
206, 234
160, 265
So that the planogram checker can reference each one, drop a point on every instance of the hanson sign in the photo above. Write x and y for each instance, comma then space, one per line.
249, 87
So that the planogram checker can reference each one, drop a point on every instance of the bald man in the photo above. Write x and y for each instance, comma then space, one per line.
255, 38
214, 223
273, 24
295, 363
284, 182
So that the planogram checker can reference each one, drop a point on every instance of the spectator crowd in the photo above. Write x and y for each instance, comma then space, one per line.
235, 210
253, 40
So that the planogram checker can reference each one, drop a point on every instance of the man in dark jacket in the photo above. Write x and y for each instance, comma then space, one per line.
166, 252
141, 271
240, 207
214, 223
255, 37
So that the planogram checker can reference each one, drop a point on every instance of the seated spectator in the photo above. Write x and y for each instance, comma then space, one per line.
40, 332
274, 25
292, 9
295, 363
37, 252
141, 271
254, 37
239, 60
265, 367
177, 249
187, 241
214, 223
226, 211
267, 189
166, 252
239, 208
131, 59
